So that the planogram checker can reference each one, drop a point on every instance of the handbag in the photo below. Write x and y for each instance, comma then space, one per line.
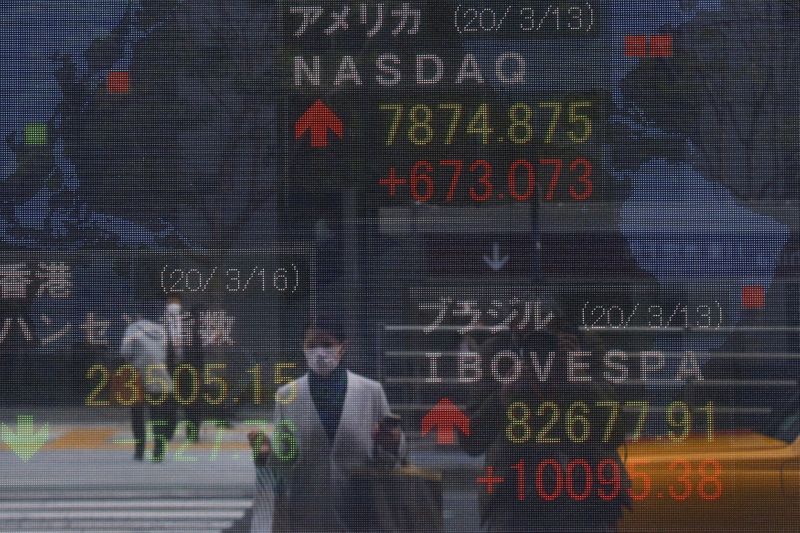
400, 499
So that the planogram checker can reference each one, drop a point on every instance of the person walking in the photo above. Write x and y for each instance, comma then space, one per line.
336, 422
502, 417
153, 349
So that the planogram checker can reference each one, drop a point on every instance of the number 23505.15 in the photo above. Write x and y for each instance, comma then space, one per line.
190, 384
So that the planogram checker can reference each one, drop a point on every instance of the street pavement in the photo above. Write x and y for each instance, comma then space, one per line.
86, 479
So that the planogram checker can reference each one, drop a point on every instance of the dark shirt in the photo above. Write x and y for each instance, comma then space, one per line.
170, 350
327, 393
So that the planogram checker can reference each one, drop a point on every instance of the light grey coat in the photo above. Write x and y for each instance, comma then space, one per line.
144, 345
315, 483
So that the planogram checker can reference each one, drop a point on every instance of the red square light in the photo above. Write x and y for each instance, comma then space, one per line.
753, 297
661, 45
635, 46
117, 83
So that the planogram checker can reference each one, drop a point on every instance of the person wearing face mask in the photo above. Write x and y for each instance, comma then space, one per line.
336, 422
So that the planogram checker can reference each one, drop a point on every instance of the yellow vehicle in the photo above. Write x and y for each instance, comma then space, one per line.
738, 481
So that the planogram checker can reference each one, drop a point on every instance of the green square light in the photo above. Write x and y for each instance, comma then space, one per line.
36, 134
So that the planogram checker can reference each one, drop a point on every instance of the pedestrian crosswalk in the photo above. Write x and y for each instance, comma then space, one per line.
66, 511
85, 479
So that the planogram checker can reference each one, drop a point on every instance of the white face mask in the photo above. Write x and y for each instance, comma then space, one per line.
321, 360
174, 309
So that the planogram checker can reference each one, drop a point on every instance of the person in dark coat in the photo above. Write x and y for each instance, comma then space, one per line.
491, 413
195, 356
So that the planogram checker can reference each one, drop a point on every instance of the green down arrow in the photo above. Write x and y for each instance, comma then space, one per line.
25, 442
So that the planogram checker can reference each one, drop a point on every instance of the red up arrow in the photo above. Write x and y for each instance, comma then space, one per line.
319, 119
446, 417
